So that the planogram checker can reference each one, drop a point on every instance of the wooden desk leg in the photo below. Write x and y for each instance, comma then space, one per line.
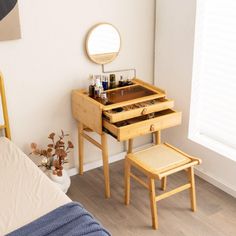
157, 135
158, 141
105, 165
127, 182
81, 147
163, 183
130, 145
4, 108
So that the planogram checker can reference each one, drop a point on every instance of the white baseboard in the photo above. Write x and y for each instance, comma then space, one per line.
120, 156
98, 163
214, 181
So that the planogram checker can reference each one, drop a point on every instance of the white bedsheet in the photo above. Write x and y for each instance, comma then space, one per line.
26, 193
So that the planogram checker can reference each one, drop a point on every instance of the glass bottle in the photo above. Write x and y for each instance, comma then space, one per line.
91, 86
121, 81
97, 87
112, 81
105, 82
100, 89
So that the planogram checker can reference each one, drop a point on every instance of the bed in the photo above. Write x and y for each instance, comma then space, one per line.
30, 203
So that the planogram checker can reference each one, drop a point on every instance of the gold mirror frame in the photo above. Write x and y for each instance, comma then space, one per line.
102, 58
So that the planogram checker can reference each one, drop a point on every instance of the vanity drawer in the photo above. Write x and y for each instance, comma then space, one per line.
140, 109
143, 125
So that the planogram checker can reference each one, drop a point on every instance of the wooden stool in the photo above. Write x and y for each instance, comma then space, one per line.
157, 162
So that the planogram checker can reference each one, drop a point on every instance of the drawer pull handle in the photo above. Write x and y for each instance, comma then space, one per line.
152, 128
144, 111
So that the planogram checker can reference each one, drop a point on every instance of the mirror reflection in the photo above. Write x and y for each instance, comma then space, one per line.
103, 43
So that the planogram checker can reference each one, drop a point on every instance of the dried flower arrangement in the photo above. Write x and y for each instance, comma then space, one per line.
55, 155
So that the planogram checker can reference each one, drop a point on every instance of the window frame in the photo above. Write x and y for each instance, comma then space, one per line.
193, 131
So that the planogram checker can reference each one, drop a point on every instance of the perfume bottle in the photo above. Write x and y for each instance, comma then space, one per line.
105, 82
97, 79
97, 86
112, 81
91, 86
100, 89
121, 81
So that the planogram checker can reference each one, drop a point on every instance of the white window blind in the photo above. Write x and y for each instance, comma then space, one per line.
213, 101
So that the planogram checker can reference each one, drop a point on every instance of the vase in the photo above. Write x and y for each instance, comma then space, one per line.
63, 181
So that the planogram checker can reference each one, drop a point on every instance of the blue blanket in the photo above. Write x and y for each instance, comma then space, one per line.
68, 220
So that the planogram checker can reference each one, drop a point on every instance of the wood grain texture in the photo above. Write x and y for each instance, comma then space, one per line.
125, 115
6, 125
105, 165
127, 183
153, 205
87, 110
81, 147
192, 191
130, 145
157, 138
216, 214
143, 127
164, 183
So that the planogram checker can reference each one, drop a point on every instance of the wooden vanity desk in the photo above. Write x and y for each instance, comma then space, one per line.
132, 111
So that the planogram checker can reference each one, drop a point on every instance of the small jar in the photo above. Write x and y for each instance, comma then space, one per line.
104, 98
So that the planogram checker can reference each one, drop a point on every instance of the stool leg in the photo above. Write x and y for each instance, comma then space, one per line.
163, 183
192, 188
153, 204
81, 147
127, 182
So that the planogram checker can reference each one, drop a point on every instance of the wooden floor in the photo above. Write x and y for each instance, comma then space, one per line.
216, 210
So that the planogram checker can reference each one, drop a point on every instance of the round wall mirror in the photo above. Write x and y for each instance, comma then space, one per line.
103, 43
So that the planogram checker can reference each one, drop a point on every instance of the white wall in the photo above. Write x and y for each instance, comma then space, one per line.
49, 61
173, 71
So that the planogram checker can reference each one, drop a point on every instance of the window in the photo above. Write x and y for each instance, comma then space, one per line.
213, 99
